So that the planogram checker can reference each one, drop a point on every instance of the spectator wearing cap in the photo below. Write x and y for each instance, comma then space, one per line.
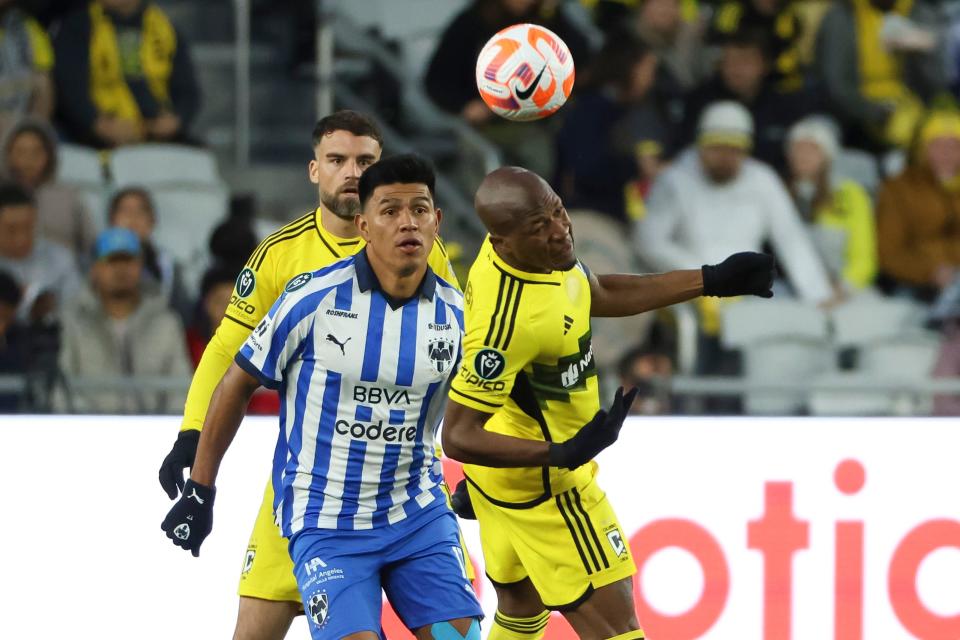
838, 211
716, 200
46, 272
918, 211
116, 329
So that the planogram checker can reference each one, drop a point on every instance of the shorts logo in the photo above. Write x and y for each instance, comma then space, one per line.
313, 564
441, 354
298, 281
246, 282
616, 541
182, 531
248, 560
489, 364
318, 607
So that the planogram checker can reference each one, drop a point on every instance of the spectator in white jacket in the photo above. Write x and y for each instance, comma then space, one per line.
715, 200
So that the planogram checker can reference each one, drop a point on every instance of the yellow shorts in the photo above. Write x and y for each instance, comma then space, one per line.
568, 545
267, 571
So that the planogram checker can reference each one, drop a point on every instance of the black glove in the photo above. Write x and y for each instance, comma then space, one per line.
741, 274
191, 518
595, 436
460, 501
180, 457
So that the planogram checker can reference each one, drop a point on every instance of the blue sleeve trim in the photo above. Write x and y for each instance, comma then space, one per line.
250, 368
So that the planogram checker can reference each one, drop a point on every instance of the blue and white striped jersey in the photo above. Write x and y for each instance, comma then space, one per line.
364, 380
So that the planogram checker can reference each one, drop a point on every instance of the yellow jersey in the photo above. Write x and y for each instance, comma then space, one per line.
528, 360
300, 246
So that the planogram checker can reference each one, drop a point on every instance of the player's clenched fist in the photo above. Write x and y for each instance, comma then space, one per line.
745, 273
190, 520
180, 457
595, 436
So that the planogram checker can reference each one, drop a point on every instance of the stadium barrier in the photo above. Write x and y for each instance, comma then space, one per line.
742, 528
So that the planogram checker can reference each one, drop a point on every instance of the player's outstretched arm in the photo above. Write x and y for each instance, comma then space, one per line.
190, 519
746, 273
464, 439
215, 361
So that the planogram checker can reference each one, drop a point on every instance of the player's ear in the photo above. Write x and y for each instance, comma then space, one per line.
313, 171
439, 213
363, 226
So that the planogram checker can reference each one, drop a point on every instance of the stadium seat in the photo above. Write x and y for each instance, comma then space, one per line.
81, 166
749, 321
859, 166
783, 360
163, 164
906, 357
186, 216
871, 317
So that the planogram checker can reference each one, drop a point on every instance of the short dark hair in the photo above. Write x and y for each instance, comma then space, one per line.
218, 273
13, 195
614, 63
345, 120
140, 192
9, 290
747, 37
407, 168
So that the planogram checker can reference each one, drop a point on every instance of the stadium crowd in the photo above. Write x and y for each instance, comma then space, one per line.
824, 132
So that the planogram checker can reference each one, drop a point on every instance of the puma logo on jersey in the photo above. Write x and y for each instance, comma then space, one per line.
332, 338
193, 494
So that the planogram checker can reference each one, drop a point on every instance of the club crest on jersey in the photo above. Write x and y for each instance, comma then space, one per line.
298, 282
318, 608
489, 364
246, 282
440, 351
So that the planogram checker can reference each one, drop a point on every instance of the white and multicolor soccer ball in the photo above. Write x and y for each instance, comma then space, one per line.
525, 72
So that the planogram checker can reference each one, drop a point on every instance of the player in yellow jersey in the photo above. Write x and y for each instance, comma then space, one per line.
524, 409
344, 144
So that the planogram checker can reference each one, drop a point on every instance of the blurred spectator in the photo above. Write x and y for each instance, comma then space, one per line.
613, 133
715, 201
13, 353
26, 87
649, 368
450, 79
838, 211
776, 18
878, 68
918, 211
116, 328
132, 208
744, 75
30, 154
123, 75
45, 271
233, 241
678, 43
216, 290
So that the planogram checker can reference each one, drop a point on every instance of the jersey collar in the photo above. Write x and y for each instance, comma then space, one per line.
367, 280
339, 247
552, 277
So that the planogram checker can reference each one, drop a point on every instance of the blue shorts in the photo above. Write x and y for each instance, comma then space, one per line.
418, 562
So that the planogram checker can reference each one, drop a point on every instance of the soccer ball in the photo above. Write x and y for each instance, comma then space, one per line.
525, 72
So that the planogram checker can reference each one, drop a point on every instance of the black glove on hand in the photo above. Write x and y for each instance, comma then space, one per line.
460, 500
191, 518
595, 436
741, 274
180, 457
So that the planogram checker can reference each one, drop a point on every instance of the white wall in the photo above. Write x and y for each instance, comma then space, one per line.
83, 554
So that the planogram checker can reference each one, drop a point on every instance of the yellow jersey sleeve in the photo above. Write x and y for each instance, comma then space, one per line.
439, 261
40, 44
253, 294
497, 345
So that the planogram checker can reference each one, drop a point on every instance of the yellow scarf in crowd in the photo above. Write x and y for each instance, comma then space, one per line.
158, 44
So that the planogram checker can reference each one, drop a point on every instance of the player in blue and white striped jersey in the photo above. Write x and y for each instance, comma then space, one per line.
363, 352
